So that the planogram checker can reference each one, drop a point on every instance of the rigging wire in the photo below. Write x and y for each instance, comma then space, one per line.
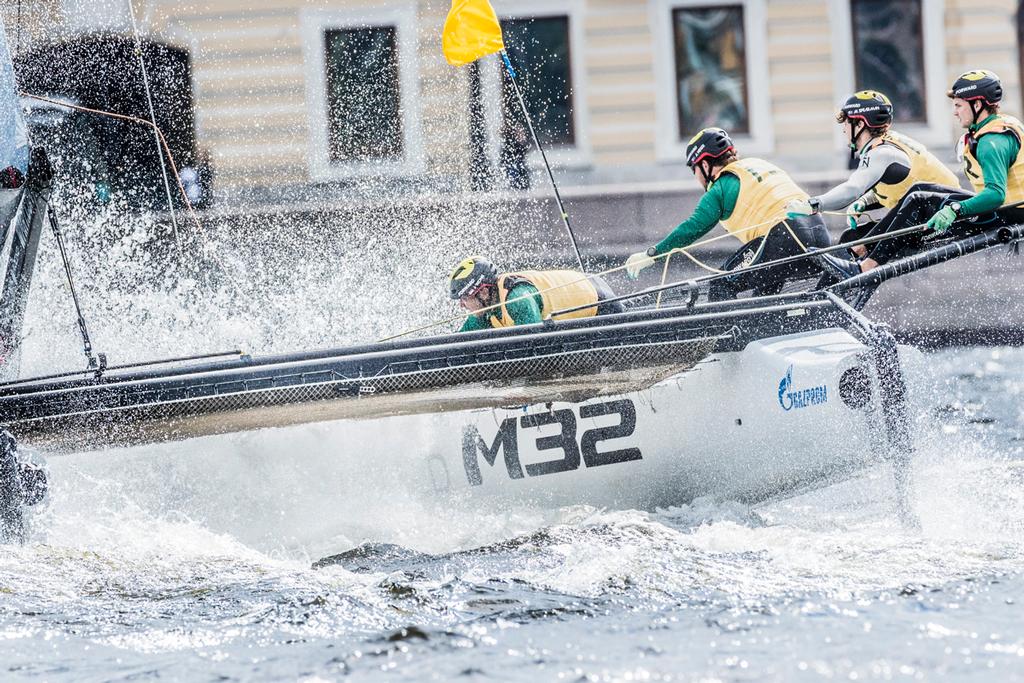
152, 116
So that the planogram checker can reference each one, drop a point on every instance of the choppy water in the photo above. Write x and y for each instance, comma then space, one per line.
130, 578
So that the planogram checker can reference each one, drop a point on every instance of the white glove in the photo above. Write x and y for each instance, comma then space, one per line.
800, 207
636, 263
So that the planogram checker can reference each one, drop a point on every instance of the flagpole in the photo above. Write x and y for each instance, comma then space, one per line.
533, 133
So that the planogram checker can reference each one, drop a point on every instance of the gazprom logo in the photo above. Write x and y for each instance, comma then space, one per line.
800, 398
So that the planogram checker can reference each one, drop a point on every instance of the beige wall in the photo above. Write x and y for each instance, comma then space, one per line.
621, 87
40, 19
251, 86
800, 72
983, 33
252, 99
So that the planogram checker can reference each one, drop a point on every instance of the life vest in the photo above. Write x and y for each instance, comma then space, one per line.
925, 167
1014, 175
559, 289
765, 189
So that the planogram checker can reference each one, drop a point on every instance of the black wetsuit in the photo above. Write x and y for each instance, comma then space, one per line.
777, 244
919, 205
604, 292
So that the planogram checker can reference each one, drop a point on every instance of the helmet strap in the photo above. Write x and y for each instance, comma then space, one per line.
854, 134
488, 290
705, 168
976, 111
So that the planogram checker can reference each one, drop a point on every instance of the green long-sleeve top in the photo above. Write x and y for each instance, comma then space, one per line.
716, 205
524, 311
996, 154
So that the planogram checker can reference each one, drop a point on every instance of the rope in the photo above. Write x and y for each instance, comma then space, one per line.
174, 169
134, 119
585, 277
152, 116
543, 155
664, 276
684, 250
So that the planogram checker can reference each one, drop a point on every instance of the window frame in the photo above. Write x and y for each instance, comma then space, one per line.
671, 147
314, 24
935, 131
578, 155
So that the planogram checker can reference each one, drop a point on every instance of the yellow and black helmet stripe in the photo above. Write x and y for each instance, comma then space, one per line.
977, 84
708, 143
870, 106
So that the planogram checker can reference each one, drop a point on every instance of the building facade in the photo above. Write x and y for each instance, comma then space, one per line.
333, 94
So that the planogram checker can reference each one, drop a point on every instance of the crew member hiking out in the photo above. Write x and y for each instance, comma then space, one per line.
991, 153
525, 297
890, 166
748, 196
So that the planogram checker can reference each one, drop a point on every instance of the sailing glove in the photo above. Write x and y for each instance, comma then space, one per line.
941, 221
853, 212
636, 263
802, 207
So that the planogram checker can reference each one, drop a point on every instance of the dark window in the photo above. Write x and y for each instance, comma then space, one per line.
364, 113
539, 50
888, 53
711, 73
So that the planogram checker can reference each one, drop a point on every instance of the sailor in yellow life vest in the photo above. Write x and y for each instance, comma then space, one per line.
993, 163
748, 196
890, 166
525, 297
992, 152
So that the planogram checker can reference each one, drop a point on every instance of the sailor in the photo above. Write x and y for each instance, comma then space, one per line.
993, 163
991, 151
525, 297
748, 196
890, 165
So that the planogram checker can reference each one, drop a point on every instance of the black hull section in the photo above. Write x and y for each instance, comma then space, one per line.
568, 361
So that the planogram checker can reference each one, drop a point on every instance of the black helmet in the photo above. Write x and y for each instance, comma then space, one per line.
979, 84
709, 143
870, 106
470, 275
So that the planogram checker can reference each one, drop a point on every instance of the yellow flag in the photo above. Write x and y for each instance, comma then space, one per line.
471, 31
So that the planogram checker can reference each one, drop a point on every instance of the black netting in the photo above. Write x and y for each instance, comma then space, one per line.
106, 415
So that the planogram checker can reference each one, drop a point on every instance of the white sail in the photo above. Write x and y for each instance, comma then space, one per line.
14, 144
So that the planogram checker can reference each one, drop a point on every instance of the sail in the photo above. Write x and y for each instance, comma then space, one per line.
14, 144
23, 197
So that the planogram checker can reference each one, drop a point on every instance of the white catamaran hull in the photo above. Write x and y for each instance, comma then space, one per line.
744, 426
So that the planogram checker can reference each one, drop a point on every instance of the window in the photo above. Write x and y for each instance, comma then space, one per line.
710, 63
898, 47
362, 91
539, 50
888, 53
363, 100
711, 66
